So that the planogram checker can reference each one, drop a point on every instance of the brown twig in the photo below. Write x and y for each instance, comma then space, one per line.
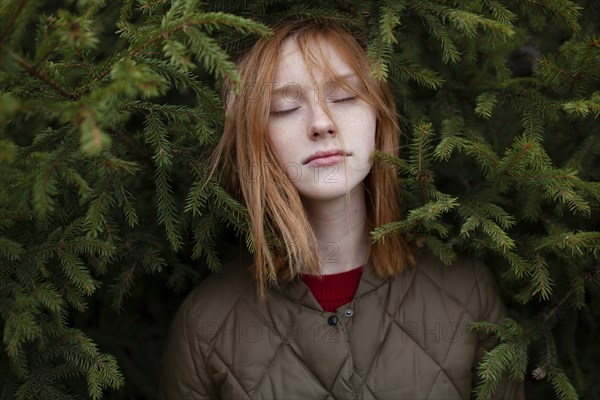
130, 145
44, 78
46, 54
560, 303
524, 150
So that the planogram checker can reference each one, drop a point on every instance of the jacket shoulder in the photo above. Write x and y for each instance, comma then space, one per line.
467, 281
213, 299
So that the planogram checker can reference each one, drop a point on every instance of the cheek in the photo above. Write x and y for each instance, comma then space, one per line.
278, 144
368, 127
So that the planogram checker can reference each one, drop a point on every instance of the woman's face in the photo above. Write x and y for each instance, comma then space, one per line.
323, 156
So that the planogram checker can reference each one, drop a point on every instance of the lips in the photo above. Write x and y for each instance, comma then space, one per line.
325, 158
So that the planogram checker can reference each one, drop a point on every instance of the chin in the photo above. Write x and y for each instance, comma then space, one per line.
335, 191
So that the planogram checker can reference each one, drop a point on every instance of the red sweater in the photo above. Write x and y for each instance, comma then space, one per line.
332, 291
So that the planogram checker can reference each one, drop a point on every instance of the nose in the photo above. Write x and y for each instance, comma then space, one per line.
321, 124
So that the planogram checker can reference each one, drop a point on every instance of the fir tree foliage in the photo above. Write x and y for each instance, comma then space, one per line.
108, 114
70, 212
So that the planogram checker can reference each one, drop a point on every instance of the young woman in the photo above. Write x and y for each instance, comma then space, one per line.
319, 311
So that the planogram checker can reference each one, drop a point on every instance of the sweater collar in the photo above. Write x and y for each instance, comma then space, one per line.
298, 292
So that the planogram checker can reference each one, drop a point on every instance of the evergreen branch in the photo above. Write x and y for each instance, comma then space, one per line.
484, 155
593, 45
478, 216
421, 146
232, 211
20, 326
573, 200
387, 24
452, 130
467, 23
155, 132
204, 244
321, 15
562, 385
407, 69
387, 158
47, 295
43, 191
540, 278
166, 209
215, 60
442, 250
509, 330
421, 217
450, 52
130, 144
103, 373
196, 198
565, 8
582, 107
54, 198
485, 104
575, 242
75, 270
500, 12
519, 266
584, 154
44, 56
549, 70
512, 336
9, 25
515, 157
96, 215
126, 201
9, 249
557, 307
379, 52
75, 298
207, 19
183, 79
533, 125
491, 367
36, 73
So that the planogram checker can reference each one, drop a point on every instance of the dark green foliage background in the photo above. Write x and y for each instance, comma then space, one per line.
108, 112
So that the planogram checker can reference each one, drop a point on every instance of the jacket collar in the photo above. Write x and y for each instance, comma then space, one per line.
298, 292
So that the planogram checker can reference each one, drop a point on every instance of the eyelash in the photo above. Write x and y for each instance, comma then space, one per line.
345, 99
283, 112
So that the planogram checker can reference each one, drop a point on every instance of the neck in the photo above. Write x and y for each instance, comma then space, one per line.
340, 226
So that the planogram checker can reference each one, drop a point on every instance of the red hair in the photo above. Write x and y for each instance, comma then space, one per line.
282, 236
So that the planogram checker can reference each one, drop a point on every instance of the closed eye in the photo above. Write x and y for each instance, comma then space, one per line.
283, 112
345, 99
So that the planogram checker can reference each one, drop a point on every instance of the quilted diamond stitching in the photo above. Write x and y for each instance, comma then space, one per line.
231, 374
260, 381
226, 318
449, 295
370, 390
363, 383
298, 358
441, 369
464, 311
462, 314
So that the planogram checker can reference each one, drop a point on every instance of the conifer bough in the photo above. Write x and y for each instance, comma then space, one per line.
108, 111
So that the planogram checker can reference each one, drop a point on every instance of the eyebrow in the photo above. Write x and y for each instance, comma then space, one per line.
290, 85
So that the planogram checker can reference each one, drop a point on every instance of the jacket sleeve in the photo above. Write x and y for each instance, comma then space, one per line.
184, 373
492, 310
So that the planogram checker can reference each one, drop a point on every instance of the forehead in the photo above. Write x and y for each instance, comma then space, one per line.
320, 58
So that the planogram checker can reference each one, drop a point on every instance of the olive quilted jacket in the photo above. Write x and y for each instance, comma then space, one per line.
400, 338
